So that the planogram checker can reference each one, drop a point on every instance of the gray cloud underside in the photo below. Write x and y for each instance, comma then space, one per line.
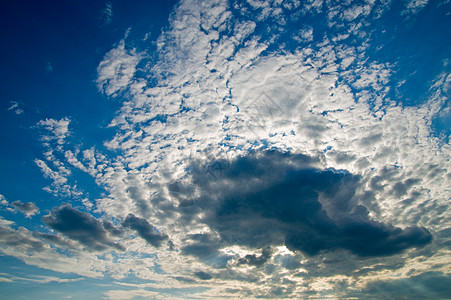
81, 227
274, 198
145, 230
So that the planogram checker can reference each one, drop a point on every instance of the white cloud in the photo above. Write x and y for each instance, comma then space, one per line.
60, 185
352, 13
117, 69
55, 130
49, 173
3, 200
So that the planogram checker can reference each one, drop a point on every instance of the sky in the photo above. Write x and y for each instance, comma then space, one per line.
225, 149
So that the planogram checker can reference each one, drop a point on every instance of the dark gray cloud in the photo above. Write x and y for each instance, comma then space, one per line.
205, 246
145, 230
202, 275
81, 227
273, 198
28, 208
201, 245
113, 230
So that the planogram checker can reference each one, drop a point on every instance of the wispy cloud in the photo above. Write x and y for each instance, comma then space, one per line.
15, 107
106, 16
37, 279
414, 6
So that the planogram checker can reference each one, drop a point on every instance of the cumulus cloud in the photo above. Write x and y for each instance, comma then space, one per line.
194, 163
33, 249
81, 227
20, 239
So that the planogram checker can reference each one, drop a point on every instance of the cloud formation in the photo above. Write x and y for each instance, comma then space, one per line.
117, 69
16, 107
267, 151
28, 208
274, 199
81, 227
145, 230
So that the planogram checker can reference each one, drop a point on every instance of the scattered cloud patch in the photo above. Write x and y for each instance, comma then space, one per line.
28, 208
55, 130
429, 285
130, 294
